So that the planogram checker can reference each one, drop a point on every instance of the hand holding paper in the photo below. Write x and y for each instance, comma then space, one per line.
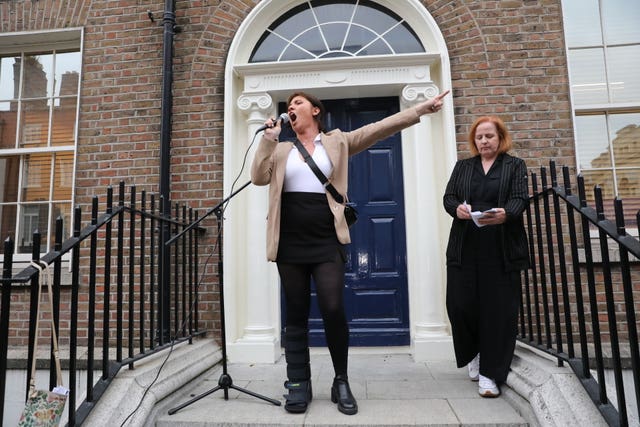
476, 215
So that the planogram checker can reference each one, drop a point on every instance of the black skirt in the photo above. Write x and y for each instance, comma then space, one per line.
307, 230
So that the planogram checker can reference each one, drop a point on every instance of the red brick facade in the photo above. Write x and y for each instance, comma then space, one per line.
507, 57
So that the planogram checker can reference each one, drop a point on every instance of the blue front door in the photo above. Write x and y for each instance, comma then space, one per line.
376, 291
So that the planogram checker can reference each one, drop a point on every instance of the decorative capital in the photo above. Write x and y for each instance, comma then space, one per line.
255, 102
412, 94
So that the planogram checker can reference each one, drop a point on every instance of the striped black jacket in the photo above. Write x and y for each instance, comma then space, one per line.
513, 197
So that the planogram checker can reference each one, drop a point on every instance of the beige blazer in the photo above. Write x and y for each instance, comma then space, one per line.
268, 167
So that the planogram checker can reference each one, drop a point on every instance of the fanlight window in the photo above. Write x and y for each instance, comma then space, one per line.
328, 29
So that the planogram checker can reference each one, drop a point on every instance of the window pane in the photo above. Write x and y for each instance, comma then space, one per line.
63, 176
293, 52
64, 122
33, 218
628, 183
625, 139
36, 177
37, 73
621, 19
62, 210
311, 41
67, 73
34, 130
269, 49
378, 47
624, 77
296, 24
588, 81
335, 34
7, 79
357, 38
592, 142
629, 192
9, 173
334, 12
604, 179
8, 119
375, 20
403, 41
47, 67
582, 23
7, 223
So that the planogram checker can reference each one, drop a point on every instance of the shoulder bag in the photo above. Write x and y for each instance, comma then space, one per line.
43, 407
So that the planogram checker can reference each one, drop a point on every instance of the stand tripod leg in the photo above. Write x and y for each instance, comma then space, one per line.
195, 399
224, 383
265, 398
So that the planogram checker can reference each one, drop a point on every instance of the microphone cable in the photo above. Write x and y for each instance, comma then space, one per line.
198, 283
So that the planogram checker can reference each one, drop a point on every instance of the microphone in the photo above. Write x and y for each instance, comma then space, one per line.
284, 118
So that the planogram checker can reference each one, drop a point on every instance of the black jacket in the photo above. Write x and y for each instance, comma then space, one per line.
513, 197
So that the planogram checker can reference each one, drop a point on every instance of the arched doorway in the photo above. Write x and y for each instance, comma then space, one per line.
252, 94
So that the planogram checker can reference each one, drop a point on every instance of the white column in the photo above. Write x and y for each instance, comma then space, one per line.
422, 153
253, 333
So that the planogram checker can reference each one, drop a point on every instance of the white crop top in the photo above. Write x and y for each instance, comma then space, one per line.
299, 176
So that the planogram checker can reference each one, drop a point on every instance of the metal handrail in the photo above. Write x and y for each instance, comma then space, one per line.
559, 226
132, 299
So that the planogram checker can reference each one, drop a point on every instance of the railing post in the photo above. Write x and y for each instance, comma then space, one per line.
56, 297
7, 268
153, 276
143, 245
562, 262
106, 300
33, 310
132, 265
577, 278
120, 272
611, 309
176, 275
539, 261
73, 332
627, 286
91, 332
165, 270
593, 301
552, 266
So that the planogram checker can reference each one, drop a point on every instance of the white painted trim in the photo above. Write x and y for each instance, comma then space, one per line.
252, 295
33, 41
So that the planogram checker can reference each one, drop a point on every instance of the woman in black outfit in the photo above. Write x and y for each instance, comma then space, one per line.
484, 260
306, 231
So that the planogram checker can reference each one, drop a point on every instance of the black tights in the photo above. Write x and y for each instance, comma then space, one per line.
329, 280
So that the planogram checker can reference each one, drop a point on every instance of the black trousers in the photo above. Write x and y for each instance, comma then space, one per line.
482, 304
329, 280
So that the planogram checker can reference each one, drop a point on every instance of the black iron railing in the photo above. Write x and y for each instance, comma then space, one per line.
582, 291
117, 301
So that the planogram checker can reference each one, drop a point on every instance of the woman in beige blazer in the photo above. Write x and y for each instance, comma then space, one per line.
306, 231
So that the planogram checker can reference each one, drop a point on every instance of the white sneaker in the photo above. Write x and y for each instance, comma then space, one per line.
474, 368
487, 387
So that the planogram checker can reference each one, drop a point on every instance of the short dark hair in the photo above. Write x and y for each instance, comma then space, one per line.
316, 103
503, 134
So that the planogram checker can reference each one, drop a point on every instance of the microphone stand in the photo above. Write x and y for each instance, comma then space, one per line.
224, 382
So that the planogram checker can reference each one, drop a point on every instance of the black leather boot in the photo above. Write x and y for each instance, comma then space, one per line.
341, 394
296, 350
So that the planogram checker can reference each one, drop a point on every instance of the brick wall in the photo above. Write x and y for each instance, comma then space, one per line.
507, 58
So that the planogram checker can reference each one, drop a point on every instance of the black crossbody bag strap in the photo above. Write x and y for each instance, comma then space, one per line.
316, 170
